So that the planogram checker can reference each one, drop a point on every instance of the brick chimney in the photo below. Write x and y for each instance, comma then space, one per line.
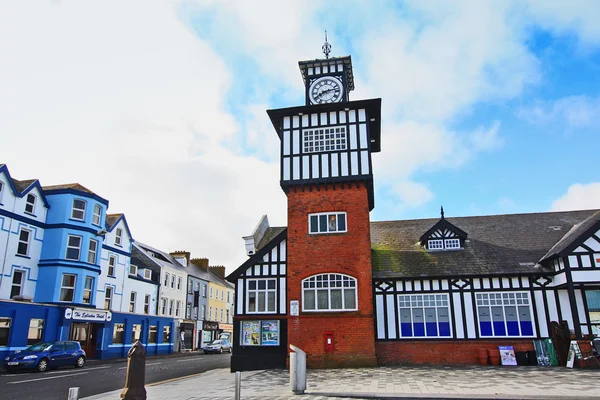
200, 262
218, 270
182, 256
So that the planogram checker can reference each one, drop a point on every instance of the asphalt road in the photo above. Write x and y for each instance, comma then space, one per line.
99, 377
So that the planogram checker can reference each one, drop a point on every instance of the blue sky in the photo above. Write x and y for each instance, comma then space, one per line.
489, 107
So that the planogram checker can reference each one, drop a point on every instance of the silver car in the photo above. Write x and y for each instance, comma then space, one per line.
218, 346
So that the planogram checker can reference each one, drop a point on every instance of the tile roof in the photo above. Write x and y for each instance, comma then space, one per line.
575, 232
22, 185
112, 218
497, 244
75, 186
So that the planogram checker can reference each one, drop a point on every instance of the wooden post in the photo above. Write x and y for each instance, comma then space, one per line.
136, 373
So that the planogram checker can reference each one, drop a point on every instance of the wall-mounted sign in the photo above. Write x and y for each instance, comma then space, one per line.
82, 314
210, 326
294, 308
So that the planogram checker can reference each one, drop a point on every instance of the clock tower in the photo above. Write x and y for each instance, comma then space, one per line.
326, 173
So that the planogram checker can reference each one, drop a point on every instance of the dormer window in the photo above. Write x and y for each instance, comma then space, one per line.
443, 236
452, 243
118, 236
78, 210
147, 274
443, 244
133, 269
30, 204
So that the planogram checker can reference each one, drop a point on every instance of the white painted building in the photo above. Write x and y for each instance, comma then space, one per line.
23, 210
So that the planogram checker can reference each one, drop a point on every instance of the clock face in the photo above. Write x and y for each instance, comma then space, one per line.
326, 89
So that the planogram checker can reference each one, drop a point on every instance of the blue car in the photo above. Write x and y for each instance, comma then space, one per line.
42, 356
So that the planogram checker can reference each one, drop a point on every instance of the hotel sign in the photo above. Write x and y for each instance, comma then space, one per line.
210, 326
84, 314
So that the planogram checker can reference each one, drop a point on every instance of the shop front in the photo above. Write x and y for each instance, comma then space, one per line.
88, 327
210, 332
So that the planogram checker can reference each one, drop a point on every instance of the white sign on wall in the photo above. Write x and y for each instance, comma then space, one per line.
83, 314
294, 308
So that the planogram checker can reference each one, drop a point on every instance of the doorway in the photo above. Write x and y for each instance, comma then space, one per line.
87, 336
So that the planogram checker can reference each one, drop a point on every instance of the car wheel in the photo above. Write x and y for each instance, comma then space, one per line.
80, 362
220, 350
42, 365
230, 350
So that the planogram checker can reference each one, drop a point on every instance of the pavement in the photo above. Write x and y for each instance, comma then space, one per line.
396, 382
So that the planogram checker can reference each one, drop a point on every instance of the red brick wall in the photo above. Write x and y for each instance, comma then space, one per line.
348, 253
441, 352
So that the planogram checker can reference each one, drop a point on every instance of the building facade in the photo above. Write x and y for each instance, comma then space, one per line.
351, 292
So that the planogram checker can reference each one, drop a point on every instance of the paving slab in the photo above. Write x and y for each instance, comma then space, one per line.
399, 382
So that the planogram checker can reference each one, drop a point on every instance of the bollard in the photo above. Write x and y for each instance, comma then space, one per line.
136, 373
238, 385
297, 370
73, 393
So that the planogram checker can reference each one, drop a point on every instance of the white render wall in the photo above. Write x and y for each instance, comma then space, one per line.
173, 293
141, 289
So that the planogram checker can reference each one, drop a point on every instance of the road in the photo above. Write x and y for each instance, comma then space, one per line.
99, 377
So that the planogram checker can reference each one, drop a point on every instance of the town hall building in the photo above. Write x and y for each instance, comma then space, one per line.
351, 292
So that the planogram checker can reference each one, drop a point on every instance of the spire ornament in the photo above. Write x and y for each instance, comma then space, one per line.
326, 47
442, 211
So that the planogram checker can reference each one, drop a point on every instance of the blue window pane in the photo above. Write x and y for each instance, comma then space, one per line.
341, 220
444, 329
431, 329
485, 328
526, 328
419, 329
322, 223
406, 329
499, 329
314, 224
513, 328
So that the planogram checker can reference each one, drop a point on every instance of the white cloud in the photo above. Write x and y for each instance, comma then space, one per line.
413, 194
579, 197
571, 113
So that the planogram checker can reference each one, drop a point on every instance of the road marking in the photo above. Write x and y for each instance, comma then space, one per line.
192, 359
52, 372
48, 377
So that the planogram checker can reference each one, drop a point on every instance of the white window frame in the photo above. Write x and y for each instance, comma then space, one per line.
36, 330
5, 323
163, 306
166, 279
107, 297
321, 139
515, 299
211, 292
24, 242
321, 282
190, 285
315, 223
254, 293
97, 216
118, 236
17, 284
132, 300
1, 191
178, 308
147, 301
418, 305
78, 210
89, 290
435, 244
223, 295
210, 313
92, 253
112, 262
67, 288
69, 246
221, 315
203, 312
133, 269
204, 291
173, 281
178, 283
147, 274
171, 304
453, 243
30, 204
188, 310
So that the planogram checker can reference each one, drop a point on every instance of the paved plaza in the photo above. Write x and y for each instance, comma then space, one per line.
419, 382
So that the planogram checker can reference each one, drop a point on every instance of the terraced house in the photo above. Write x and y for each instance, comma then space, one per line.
67, 274
351, 292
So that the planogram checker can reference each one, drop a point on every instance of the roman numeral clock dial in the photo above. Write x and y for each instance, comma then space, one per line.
326, 89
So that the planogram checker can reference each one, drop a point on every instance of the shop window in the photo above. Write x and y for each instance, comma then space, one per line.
504, 314
118, 236
36, 327
30, 204
118, 331
4, 330
88, 290
327, 223
67, 288
78, 210
73, 247
132, 298
136, 333
108, 292
23, 246
16, 288
112, 260
260, 333
97, 215
261, 295
147, 304
152, 334
92, 251
166, 337
592, 298
329, 292
424, 315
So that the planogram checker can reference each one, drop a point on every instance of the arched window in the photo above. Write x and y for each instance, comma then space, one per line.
329, 292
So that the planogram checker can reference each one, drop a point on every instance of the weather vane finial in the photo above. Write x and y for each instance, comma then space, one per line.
326, 47
442, 211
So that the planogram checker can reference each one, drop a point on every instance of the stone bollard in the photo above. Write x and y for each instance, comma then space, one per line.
73, 393
297, 370
136, 373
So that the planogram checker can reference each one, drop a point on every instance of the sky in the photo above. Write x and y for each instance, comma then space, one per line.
488, 107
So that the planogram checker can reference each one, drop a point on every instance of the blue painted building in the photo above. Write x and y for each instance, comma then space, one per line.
61, 255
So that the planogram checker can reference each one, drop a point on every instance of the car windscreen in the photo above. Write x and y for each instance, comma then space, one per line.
39, 347
216, 342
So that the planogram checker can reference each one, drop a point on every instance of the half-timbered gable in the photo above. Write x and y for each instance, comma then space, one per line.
443, 236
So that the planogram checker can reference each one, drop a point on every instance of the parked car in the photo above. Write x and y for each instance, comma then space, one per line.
44, 355
218, 346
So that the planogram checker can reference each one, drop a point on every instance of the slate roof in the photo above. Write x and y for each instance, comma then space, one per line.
160, 257
270, 233
74, 186
20, 186
575, 233
496, 245
111, 219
